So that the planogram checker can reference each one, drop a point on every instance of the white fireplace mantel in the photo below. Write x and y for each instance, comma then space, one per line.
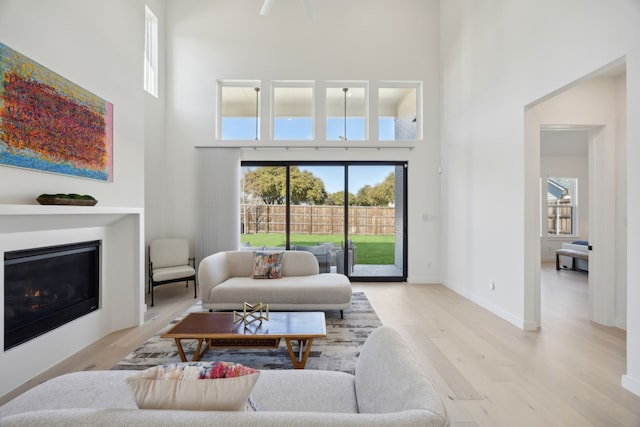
21, 218
122, 287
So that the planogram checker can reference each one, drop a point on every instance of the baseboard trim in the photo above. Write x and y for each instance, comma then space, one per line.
631, 384
487, 305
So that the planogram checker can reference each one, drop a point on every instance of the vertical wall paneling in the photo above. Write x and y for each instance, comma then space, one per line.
218, 225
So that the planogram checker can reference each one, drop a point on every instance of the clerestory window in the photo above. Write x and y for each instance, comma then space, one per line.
398, 111
292, 108
239, 106
304, 110
347, 111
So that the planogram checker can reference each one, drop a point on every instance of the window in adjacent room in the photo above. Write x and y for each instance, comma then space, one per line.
292, 106
398, 111
239, 107
347, 111
150, 52
562, 206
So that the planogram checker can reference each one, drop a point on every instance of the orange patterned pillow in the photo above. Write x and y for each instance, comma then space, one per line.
267, 265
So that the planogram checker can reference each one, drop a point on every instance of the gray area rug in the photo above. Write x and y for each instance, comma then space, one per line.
337, 352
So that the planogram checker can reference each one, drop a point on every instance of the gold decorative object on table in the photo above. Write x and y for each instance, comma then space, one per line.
252, 312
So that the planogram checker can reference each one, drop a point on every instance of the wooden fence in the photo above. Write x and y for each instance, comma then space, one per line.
312, 219
560, 219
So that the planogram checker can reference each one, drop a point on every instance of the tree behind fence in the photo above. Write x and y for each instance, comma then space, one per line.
317, 219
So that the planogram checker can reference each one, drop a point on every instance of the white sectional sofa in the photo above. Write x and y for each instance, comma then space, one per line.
387, 389
226, 282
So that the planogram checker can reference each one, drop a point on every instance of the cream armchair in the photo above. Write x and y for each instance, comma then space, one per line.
169, 262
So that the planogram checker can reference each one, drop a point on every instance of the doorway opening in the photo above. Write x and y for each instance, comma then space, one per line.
564, 213
596, 105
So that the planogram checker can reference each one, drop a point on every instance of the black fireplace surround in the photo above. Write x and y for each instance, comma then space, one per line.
44, 288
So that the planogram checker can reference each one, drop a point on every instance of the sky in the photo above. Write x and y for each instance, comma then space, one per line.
301, 129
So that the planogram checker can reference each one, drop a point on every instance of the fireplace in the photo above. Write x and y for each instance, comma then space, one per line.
44, 288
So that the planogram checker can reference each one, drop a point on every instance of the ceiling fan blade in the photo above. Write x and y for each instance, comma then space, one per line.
310, 9
266, 7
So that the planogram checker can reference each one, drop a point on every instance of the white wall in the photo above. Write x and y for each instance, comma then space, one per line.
354, 40
155, 161
98, 46
493, 66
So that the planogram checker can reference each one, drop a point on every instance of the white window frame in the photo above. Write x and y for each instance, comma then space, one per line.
573, 205
238, 84
150, 52
351, 84
305, 84
417, 86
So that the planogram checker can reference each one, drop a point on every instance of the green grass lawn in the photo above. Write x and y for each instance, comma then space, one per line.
370, 249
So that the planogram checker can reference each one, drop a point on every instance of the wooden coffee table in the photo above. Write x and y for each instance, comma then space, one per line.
219, 330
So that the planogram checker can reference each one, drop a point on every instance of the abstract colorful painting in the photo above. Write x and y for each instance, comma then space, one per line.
50, 124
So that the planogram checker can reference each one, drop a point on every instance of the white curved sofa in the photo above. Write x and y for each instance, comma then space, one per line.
387, 389
226, 282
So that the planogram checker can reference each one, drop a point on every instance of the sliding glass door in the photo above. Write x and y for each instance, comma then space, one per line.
350, 215
263, 206
376, 220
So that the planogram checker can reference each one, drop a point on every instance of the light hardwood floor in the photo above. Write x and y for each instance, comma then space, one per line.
489, 372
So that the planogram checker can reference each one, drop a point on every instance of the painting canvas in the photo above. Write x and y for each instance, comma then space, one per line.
50, 124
